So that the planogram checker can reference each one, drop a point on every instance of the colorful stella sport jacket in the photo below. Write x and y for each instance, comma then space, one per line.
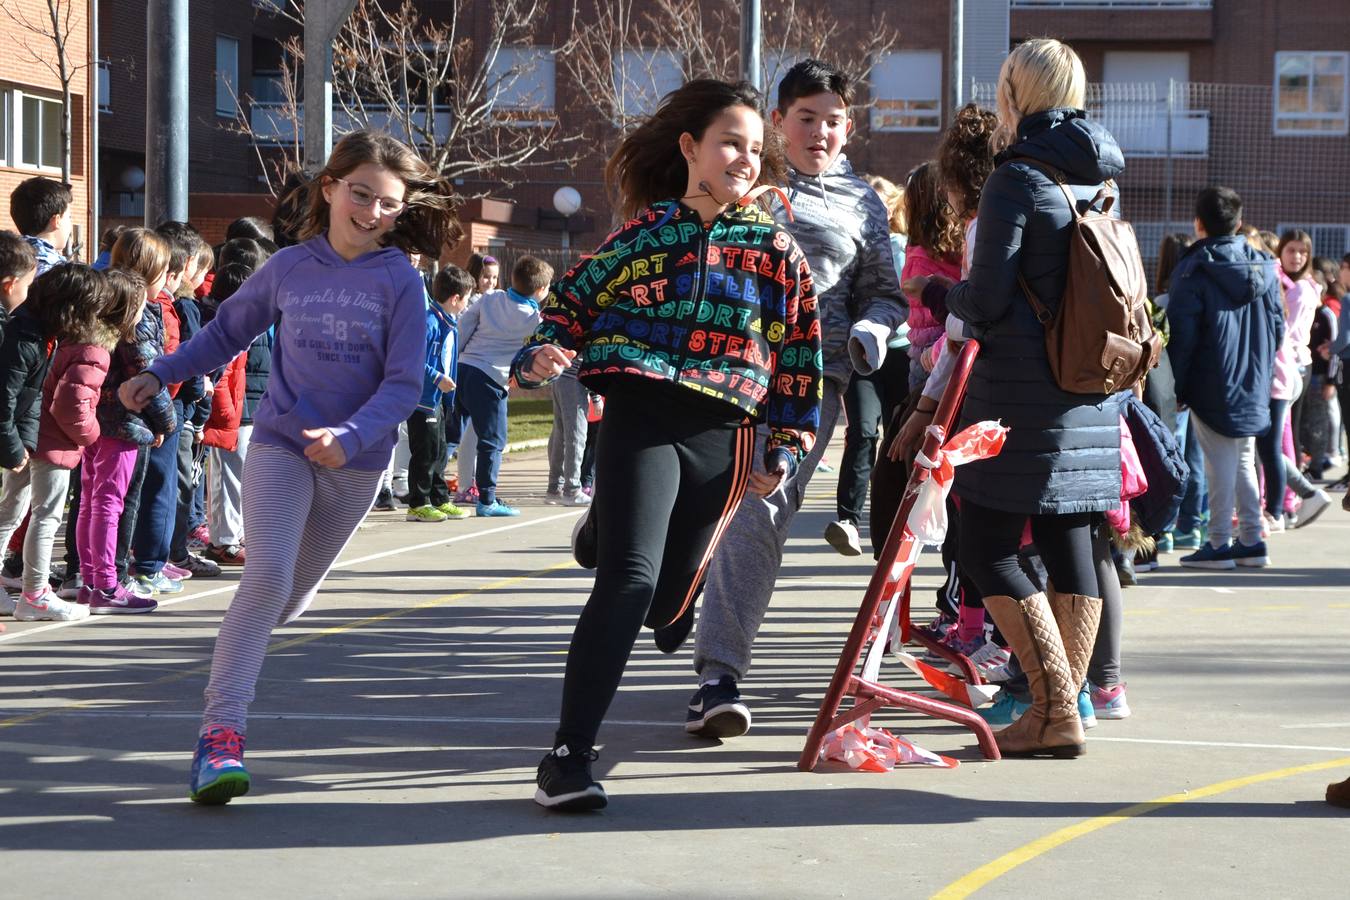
725, 309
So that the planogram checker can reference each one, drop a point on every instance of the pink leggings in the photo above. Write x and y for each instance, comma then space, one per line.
104, 476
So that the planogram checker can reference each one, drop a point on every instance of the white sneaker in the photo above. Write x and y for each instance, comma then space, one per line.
7, 603
991, 661
577, 498
843, 536
1313, 507
47, 607
11, 582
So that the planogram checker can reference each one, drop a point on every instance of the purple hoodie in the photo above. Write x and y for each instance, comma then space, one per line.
349, 348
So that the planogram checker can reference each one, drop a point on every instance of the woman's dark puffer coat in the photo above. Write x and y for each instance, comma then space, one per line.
1062, 454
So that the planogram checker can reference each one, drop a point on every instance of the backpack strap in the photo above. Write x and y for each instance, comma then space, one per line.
1103, 195
1042, 314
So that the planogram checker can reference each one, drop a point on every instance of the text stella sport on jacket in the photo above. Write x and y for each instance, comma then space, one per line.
726, 310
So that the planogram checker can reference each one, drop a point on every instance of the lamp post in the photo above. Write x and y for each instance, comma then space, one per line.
323, 20
751, 69
567, 201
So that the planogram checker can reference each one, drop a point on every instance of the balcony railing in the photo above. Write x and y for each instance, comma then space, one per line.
1145, 132
272, 123
1112, 4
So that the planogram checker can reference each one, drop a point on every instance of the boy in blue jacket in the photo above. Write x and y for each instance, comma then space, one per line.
1227, 321
428, 494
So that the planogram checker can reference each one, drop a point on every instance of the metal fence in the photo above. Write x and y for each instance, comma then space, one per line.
1180, 137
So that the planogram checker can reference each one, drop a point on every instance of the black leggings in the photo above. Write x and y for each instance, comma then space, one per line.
989, 543
672, 472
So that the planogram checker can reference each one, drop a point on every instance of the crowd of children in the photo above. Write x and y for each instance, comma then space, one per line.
163, 395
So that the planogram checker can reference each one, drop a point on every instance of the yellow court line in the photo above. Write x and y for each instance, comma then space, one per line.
308, 638
969, 884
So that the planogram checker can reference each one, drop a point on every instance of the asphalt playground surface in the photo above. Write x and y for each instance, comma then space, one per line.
399, 722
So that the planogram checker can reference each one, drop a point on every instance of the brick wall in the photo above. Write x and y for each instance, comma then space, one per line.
17, 70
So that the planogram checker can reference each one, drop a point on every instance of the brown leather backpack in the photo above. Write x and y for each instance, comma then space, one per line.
1100, 340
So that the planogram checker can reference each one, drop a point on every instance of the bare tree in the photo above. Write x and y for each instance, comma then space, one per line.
623, 56
55, 28
462, 101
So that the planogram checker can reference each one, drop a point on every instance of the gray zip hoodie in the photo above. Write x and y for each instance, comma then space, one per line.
842, 226
492, 331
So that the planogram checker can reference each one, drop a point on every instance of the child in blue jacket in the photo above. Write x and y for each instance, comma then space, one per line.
428, 494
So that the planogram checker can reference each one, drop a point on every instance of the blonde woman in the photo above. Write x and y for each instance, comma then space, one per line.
1061, 462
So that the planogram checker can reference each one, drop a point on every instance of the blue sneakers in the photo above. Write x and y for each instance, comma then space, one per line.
1253, 557
218, 773
1006, 710
1187, 540
1085, 709
1211, 557
159, 583
496, 509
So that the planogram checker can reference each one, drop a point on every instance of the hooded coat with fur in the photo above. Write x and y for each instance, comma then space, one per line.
69, 418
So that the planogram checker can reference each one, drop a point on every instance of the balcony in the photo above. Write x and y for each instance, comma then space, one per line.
1112, 4
1144, 131
1141, 21
273, 124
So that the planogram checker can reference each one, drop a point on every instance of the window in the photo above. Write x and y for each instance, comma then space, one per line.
1331, 240
642, 78
5, 118
37, 131
907, 91
227, 76
1311, 93
104, 87
520, 85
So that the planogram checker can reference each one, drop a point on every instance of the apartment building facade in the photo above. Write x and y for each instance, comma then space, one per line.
30, 104
1247, 92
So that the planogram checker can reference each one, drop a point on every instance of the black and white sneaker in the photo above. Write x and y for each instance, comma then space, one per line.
565, 781
584, 550
716, 711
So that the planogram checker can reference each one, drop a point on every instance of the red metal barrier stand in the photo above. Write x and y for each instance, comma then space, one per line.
870, 696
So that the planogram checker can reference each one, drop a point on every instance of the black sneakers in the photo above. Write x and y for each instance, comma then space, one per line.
583, 540
716, 711
565, 781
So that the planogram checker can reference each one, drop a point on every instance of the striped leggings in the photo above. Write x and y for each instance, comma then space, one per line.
298, 517
670, 475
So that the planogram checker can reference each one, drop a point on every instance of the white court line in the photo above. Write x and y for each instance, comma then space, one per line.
638, 723
340, 564
1320, 725
1219, 744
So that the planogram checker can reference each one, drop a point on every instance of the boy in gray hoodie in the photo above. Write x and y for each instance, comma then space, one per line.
491, 333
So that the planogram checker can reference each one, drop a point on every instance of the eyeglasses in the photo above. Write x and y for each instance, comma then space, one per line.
364, 196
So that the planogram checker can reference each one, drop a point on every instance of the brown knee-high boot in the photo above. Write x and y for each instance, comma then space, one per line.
1078, 617
1051, 726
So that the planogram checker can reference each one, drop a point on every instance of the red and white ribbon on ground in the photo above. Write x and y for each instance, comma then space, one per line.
877, 750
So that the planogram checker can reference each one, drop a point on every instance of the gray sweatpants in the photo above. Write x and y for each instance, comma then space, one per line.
1230, 474
225, 493
567, 441
298, 517
43, 486
744, 568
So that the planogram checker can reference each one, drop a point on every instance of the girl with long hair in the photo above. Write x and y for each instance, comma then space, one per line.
696, 319
349, 316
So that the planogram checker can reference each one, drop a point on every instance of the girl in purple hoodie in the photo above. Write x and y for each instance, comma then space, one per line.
350, 319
